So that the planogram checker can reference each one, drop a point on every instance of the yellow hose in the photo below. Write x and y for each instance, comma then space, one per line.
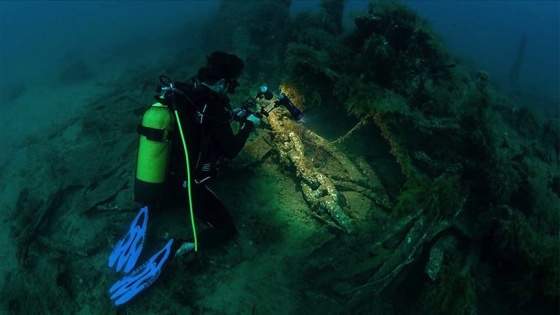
188, 179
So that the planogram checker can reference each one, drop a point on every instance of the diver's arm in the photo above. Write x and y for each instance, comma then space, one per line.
230, 142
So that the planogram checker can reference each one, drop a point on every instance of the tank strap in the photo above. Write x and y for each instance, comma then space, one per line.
153, 134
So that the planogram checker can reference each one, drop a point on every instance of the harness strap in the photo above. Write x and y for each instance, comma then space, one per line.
154, 134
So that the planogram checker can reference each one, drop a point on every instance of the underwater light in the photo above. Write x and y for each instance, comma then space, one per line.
284, 100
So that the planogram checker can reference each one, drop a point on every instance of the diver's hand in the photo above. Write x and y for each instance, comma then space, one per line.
254, 119
240, 114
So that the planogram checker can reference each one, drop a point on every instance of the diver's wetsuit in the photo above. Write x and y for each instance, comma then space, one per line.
205, 120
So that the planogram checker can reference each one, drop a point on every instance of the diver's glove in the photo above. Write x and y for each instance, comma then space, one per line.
128, 249
254, 119
142, 277
240, 114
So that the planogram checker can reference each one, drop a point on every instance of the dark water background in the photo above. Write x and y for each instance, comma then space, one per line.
35, 36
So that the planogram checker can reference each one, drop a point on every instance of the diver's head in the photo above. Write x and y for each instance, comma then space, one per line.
221, 72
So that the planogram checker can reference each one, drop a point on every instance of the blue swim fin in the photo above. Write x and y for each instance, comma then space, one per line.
142, 277
128, 249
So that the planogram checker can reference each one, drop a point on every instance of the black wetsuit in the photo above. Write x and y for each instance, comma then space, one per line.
205, 119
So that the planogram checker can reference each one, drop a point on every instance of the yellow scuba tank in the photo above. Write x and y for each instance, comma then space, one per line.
153, 154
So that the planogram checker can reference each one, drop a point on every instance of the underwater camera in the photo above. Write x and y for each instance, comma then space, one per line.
282, 100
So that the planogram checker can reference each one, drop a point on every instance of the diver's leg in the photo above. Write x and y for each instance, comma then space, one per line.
209, 209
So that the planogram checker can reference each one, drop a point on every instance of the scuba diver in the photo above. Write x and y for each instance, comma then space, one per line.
184, 139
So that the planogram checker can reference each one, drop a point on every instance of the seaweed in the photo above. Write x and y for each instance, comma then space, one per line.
530, 255
459, 144
399, 51
309, 71
254, 30
332, 12
456, 292
440, 197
